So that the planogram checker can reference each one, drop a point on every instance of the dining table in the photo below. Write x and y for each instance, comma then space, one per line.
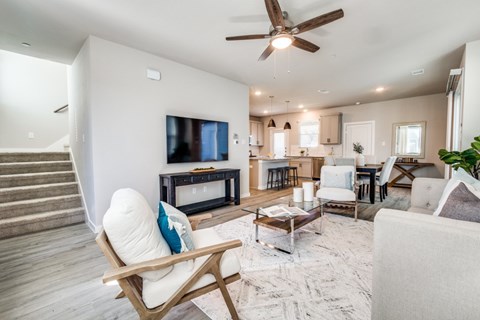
372, 170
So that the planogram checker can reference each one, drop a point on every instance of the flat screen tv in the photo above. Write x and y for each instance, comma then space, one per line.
196, 140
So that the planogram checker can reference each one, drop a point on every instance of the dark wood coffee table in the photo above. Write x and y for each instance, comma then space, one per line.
287, 224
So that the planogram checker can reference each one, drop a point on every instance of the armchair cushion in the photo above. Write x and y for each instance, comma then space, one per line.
175, 228
158, 292
336, 194
133, 232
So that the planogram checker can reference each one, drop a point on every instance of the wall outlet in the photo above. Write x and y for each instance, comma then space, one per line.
194, 190
204, 188
31, 135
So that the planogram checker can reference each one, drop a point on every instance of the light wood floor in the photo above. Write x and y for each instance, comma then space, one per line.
57, 274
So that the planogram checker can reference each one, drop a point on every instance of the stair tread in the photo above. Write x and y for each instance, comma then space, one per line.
34, 174
35, 216
34, 163
38, 186
39, 200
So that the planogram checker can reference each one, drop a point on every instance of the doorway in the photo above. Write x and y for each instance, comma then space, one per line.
363, 132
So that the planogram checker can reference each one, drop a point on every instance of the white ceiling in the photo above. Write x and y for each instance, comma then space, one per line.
377, 43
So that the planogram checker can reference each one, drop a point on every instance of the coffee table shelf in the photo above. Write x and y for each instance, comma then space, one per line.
287, 224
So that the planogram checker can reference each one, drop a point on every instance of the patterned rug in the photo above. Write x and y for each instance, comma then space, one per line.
328, 276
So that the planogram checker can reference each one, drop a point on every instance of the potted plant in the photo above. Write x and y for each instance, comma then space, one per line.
468, 160
358, 149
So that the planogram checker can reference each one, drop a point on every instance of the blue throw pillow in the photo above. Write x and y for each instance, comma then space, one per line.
168, 231
175, 228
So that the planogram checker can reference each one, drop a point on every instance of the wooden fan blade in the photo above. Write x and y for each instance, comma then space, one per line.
305, 45
275, 14
266, 53
319, 21
248, 37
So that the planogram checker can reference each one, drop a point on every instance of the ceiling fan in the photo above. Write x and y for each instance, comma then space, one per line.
283, 32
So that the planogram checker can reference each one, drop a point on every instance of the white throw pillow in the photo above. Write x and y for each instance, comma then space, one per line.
131, 227
462, 175
178, 216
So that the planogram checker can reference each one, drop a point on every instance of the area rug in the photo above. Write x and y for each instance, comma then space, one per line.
328, 276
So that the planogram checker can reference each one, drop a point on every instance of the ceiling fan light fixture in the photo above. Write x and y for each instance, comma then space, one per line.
282, 41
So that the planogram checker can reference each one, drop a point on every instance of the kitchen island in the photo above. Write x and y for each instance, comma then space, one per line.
259, 170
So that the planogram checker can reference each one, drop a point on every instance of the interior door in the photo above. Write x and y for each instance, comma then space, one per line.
363, 132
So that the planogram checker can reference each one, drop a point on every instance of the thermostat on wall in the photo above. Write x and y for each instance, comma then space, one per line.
153, 74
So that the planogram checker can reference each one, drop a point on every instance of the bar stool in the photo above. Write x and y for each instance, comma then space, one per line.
294, 175
276, 173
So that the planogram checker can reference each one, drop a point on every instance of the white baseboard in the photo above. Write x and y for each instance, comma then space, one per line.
245, 195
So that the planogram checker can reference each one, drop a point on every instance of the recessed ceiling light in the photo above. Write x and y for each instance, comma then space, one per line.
357, 103
300, 106
324, 91
26, 44
380, 89
258, 92
305, 110
265, 111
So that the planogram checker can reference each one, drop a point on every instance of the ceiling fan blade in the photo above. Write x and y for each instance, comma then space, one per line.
267, 53
275, 14
248, 37
305, 45
319, 21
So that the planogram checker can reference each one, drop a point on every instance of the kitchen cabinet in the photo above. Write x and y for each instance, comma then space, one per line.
304, 167
256, 133
331, 129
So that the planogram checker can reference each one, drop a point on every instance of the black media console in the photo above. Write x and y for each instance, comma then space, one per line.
170, 181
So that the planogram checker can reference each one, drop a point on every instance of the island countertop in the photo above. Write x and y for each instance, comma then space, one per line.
268, 159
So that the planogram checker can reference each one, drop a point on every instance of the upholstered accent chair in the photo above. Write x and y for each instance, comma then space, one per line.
148, 274
338, 185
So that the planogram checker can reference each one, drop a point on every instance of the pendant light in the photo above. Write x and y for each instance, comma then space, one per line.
271, 123
287, 125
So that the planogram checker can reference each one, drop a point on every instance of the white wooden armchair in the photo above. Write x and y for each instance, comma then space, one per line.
192, 273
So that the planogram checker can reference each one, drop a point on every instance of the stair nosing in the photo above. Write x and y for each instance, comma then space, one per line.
28, 218
39, 200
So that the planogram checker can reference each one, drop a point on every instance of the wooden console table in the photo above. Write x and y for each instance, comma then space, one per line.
170, 181
406, 169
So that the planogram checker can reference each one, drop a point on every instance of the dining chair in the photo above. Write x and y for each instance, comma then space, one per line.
338, 186
382, 179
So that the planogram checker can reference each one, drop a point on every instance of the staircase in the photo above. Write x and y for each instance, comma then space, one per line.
38, 192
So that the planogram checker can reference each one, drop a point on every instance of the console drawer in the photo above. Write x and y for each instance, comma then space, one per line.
199, 179
230, 175
181, 181
216, 176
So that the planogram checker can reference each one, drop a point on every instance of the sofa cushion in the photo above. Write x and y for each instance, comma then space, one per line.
132, 230
180, 220
158, 292
463, 203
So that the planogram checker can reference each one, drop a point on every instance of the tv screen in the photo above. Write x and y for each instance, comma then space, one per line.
196, 140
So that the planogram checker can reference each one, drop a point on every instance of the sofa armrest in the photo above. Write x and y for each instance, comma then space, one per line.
426, 193
425, 267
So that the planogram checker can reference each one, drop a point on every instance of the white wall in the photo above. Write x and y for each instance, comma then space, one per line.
30, 90
125, 124
79, 98
431, 108
471, 94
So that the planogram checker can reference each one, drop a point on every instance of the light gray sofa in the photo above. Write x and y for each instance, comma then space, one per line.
424, 266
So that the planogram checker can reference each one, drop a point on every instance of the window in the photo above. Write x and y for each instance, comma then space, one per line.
309, 132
